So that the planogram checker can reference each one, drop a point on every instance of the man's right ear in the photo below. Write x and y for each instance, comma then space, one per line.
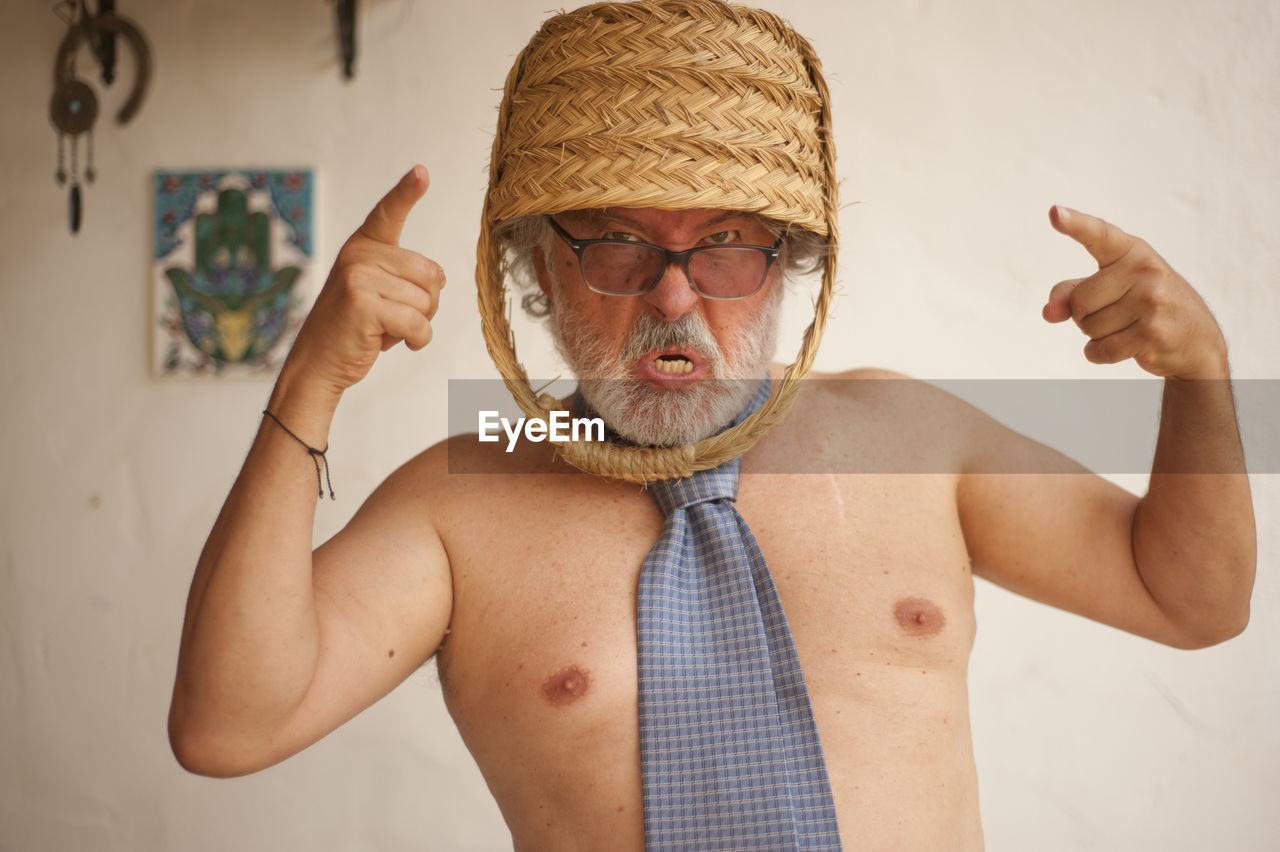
539, 258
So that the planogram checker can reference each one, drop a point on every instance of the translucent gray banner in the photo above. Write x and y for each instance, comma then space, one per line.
890, 426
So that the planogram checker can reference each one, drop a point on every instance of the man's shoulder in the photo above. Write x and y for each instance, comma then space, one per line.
467, 462
878, 388
464, 471
863, 374
864, 390
858, 379
872, 420
465, 488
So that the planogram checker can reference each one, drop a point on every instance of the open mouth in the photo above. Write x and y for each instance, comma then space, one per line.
673, 365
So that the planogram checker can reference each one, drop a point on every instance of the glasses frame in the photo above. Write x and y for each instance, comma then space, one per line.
669, 257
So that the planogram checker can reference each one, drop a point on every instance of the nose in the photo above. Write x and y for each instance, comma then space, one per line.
673, 297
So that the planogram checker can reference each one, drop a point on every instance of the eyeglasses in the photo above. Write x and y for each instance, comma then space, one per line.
628, 268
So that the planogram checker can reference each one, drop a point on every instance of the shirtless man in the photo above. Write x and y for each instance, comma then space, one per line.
282, 645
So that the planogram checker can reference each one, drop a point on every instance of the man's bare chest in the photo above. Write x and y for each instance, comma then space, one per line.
872, 572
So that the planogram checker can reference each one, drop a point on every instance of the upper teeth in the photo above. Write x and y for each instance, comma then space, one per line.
673, 365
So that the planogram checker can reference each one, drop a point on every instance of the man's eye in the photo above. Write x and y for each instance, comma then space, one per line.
720, 238
621, 236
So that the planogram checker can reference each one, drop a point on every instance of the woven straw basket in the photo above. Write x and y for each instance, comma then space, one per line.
669, 104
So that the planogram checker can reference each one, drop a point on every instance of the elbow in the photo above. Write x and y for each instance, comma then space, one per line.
196, 755
1218, 610
1206, 635
194, 759
201, 751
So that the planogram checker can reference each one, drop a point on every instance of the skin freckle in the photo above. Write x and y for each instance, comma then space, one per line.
391, 652
566, 686
919, 616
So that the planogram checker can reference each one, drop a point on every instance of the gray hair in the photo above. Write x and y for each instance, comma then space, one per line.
803, 253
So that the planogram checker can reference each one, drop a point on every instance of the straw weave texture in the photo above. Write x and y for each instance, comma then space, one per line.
670, 104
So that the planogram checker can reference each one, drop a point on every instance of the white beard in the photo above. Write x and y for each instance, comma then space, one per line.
661, 417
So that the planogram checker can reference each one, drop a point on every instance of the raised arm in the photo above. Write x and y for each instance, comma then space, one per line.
1176, 565
279, 646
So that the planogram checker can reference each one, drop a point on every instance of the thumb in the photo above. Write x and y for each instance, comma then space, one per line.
386, 221
1058, 308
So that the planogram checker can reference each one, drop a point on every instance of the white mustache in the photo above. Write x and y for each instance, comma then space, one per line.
690, 331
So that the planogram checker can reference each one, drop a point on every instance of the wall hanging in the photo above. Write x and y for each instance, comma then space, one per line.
73, 109
232, 266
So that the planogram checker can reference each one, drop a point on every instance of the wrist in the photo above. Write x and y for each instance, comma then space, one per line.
306, 403
1212, 366
317, 454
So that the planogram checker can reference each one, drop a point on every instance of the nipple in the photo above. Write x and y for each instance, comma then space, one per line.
566, 686
919, 616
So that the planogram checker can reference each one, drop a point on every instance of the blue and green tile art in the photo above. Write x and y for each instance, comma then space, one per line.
232, 265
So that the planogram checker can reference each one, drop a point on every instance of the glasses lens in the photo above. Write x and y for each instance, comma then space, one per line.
729, 272
621, 268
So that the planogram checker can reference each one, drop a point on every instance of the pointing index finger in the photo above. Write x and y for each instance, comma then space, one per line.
1103, 240
386, 221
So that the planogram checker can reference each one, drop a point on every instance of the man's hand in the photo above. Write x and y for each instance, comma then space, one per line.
1135, 305
377, 295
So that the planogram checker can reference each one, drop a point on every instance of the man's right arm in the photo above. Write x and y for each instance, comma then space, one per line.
280, 645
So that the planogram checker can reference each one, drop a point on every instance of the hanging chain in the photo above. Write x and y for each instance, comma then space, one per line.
61, 174
75, 169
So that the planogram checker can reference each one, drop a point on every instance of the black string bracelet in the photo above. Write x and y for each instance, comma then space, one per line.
317, 456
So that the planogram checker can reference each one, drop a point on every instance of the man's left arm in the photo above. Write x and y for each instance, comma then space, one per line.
1178, 564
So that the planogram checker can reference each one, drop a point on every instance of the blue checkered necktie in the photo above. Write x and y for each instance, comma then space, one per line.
729, 751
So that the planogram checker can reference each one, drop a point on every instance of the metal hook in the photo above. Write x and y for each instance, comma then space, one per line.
99, 26
103, 43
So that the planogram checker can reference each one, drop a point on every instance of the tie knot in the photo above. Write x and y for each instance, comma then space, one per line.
720, 483
705, 486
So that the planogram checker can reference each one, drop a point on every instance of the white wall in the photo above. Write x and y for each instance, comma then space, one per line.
958, 124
